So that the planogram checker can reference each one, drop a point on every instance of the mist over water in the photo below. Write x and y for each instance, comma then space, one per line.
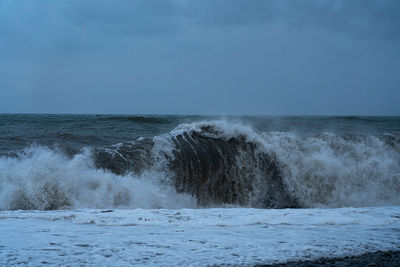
104, 161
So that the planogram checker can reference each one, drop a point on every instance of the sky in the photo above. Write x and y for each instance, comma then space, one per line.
222, 57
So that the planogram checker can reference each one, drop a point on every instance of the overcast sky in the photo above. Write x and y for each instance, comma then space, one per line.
316, 57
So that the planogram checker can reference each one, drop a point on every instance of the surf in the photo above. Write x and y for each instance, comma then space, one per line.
208, 164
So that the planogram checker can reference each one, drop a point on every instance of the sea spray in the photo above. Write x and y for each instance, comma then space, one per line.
46, 179
208, 164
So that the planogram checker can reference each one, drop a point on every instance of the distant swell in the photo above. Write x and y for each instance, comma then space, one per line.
134, 119
209, 164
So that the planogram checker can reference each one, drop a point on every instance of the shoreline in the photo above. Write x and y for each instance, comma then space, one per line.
378, 258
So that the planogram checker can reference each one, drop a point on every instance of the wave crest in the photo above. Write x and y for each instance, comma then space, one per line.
209, 164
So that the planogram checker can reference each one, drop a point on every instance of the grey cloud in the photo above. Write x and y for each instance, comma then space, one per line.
366, 18
143, 18
81, 24
155, 17
363, 18
216, 56
229, 13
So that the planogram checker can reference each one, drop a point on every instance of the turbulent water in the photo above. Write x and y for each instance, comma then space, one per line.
50, 162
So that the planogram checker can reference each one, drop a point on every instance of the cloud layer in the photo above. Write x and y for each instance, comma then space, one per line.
221, 56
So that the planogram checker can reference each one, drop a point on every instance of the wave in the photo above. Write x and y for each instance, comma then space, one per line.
208, 164
368, 119
135, 119
45, 179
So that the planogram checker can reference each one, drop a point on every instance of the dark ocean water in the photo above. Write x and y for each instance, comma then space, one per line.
18, 131
68, 161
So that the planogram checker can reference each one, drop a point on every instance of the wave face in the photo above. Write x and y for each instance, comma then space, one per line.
207, 164
221, 167
231, 163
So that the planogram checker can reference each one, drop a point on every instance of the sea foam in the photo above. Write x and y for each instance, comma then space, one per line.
209, 164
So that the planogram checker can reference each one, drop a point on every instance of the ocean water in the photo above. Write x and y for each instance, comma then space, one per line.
230, 190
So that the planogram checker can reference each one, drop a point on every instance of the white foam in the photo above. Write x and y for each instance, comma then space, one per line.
219, 217
320, 171
195, 237
325, 170
47, 179
329, 171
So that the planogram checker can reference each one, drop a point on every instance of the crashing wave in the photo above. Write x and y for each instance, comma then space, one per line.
211, 164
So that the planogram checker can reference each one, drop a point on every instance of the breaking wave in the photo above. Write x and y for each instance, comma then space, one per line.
207, 164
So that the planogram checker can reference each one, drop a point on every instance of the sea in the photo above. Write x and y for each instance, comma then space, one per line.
166, 190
